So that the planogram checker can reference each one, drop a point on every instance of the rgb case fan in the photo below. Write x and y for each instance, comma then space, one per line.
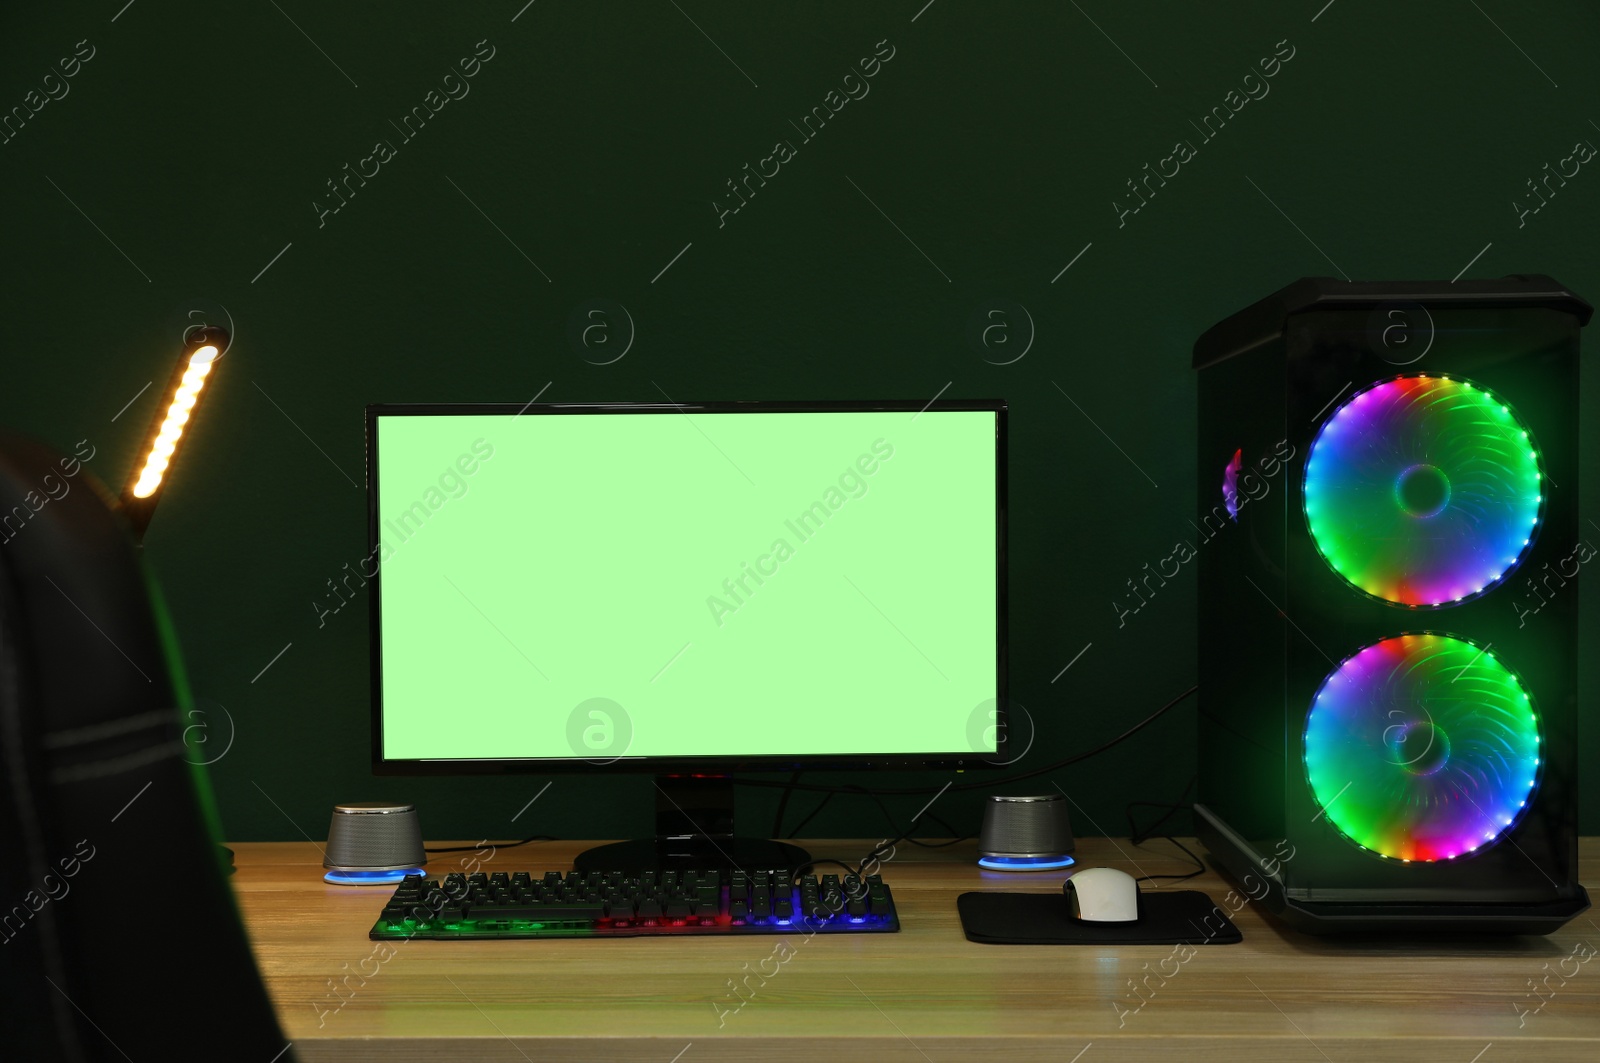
1423, 490
1380, 469
1422, 747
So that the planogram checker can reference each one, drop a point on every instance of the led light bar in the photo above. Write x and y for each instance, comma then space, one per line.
166, 435
178, 411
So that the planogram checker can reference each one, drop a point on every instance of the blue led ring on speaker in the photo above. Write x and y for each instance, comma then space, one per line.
370, 878
1025, 863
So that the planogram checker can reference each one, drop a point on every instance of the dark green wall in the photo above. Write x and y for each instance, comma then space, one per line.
596, 138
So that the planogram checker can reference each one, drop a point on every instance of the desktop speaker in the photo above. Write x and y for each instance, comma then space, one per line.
1387, 537
1025, 834
373, 844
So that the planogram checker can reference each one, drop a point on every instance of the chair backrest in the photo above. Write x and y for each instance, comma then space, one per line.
119, 938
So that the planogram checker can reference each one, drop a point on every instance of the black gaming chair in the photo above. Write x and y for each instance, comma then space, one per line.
119, 938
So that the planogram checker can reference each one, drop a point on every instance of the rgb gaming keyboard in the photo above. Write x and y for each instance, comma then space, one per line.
631, 904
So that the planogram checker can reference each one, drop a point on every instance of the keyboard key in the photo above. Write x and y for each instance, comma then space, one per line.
541, 912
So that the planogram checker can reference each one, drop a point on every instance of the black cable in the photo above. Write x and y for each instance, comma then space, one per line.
927, 812
885, 848
820, 806
492, 845
1200, 865
949, 831
881, 849
1150, 831
830, 791
986, 784
810, 864
1140, 836
783, 806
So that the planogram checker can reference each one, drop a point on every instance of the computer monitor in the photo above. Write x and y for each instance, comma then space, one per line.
688, 590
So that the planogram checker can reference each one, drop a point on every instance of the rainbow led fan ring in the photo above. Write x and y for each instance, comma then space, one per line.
1423, 490
1422, 747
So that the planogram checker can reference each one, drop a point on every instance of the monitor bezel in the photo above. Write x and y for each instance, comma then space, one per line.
719, 765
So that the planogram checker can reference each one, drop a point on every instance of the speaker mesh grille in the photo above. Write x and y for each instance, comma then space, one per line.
371, 840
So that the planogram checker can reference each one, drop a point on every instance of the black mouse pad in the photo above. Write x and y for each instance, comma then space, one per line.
1166, 917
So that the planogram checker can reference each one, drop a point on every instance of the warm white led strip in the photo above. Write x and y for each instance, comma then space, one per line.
183, 400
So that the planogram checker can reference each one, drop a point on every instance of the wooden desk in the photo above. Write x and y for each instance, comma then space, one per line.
924, 995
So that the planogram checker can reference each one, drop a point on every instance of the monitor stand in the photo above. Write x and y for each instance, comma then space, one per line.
694, 830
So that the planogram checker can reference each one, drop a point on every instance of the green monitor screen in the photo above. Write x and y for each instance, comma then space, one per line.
663, 587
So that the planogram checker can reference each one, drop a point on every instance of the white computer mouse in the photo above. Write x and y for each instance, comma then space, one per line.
1103, 895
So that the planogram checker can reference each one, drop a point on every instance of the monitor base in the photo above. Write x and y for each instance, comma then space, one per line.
700, 853
694, 831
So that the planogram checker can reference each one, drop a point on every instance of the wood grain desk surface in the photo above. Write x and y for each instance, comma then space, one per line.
925, 994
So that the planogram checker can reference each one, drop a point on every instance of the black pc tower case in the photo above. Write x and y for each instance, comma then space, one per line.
1388, 534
